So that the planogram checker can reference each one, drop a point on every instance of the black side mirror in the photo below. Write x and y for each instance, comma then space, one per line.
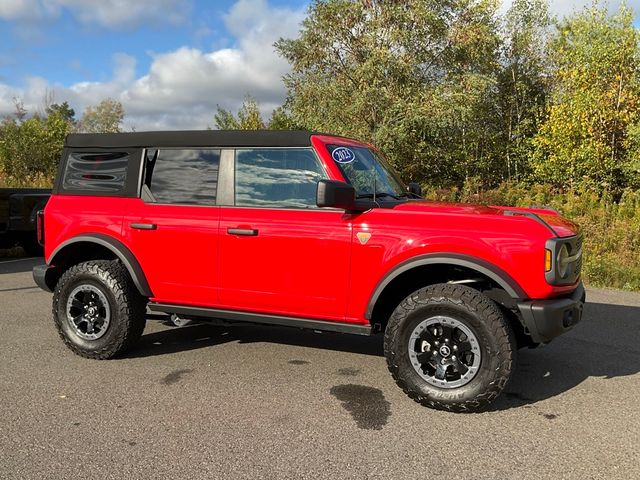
332, 193
415, 189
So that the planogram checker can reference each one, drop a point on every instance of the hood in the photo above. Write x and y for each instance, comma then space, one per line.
559, 226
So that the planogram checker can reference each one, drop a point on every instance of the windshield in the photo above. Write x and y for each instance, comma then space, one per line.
367, 171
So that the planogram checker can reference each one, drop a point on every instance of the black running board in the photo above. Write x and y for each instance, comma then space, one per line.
250, 317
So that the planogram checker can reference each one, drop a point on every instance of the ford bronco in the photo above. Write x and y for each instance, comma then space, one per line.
304, 230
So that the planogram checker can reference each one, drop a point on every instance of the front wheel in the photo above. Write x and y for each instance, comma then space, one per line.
449, 347
97, 310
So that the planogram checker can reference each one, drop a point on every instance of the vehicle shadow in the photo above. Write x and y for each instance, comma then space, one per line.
606, 344
201, 335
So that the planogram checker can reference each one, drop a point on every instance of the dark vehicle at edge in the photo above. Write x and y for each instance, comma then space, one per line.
18, 217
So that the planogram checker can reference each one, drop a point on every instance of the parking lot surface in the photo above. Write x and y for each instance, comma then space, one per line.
255, 402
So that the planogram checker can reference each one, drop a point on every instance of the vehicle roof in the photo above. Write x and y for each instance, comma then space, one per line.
192, 138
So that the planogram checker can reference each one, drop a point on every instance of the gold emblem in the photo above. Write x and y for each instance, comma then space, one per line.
363, 237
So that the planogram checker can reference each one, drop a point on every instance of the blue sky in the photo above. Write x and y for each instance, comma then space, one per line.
170, 62
66, 46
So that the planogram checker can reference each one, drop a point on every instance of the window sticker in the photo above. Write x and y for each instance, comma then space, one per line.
343, 155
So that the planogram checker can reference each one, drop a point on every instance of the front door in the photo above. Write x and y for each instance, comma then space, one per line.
279, 253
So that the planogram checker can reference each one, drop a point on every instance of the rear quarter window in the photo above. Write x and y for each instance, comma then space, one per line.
96, 172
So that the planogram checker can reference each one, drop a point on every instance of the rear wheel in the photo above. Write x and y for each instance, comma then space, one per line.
449, 347
97, 310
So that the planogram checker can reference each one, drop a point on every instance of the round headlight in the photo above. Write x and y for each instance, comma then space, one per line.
563, 262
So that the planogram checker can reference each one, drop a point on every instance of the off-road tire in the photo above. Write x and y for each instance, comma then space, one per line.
486, 321
128, 307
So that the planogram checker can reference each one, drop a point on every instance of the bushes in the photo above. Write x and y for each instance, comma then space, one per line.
30, 150
611, 229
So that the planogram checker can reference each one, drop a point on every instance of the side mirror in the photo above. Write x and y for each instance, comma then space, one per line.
332, 193
415, 189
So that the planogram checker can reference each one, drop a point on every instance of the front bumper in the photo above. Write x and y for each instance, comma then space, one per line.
546, 319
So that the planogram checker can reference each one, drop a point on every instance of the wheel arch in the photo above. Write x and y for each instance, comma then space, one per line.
436, 268
96, 246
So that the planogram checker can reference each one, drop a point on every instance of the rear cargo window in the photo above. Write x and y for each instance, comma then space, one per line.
104, 172
182, 176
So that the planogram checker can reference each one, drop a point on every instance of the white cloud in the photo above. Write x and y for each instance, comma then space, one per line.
106, 13
23, 10
565, 7
182, 88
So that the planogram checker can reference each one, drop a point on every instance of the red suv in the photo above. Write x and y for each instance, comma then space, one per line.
304, 230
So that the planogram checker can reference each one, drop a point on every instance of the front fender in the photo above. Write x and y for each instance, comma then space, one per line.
496, 274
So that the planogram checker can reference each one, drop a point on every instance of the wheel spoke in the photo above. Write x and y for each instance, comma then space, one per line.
88, 311
77, 303
441, 372
428, 336
86, 296
461, 368
441, 350
447, 331
424, 357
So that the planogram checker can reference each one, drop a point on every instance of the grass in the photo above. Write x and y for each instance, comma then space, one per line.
37, 181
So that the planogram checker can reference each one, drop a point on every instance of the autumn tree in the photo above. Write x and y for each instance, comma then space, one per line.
105, 117
595, 99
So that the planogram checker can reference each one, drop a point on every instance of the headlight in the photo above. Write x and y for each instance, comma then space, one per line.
563, 261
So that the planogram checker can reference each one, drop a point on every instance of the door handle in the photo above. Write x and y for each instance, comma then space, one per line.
247, 232
144, 226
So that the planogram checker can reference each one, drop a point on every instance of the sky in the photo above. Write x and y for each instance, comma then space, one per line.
170, 62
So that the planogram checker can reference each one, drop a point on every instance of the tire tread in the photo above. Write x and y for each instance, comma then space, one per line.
475, 302
130, 306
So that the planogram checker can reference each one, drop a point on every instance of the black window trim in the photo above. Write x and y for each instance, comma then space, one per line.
314, 208
144, 169
131, 188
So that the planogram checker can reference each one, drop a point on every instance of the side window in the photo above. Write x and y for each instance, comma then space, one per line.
182, 176
277, 177
100, 172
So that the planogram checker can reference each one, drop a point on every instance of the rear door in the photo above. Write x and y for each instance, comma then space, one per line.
279, 253
173, 229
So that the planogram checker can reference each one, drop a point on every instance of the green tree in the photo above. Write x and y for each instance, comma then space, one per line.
596, 98
632, 165
416, 78
522, 81
63, 110
250, 118
31, 150
105, 117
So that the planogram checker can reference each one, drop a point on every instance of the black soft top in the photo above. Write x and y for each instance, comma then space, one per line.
192, 138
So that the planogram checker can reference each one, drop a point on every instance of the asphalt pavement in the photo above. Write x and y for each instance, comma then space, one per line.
255, 402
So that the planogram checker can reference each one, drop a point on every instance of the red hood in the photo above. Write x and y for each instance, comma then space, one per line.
560, 225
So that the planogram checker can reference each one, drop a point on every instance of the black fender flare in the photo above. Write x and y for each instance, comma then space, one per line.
119, 249
496, 274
